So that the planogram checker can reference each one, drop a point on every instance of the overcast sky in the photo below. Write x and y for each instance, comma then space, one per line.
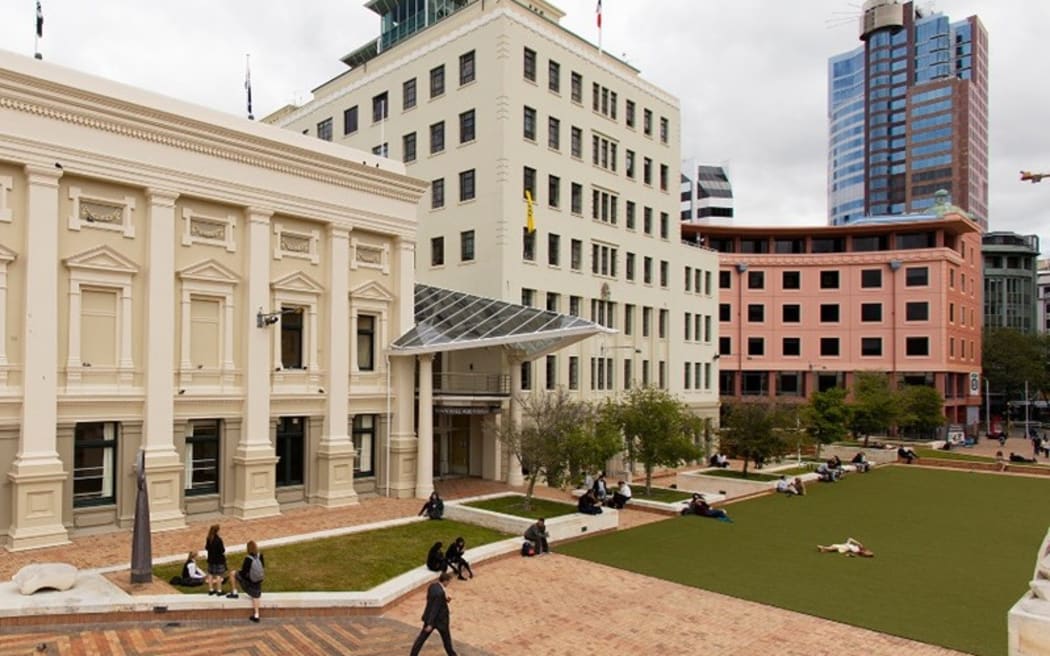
751, 75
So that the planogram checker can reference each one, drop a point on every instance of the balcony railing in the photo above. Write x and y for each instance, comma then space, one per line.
471, 384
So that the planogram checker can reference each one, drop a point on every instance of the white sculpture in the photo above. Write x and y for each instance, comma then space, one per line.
40, 576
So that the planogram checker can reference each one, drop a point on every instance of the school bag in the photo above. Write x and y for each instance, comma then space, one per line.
256, 574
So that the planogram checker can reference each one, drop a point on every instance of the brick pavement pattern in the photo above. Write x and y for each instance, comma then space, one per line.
362, 636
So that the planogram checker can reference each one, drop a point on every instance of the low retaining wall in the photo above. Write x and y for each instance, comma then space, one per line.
973, 465
559, 528
1028, 622
697, 481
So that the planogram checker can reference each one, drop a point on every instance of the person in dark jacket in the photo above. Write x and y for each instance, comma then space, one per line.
436, 559
588, 504
454, 559
538, 536
436, 616
243, 579
434, 508
216, 560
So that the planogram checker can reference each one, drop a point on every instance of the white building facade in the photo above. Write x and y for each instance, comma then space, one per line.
487, 100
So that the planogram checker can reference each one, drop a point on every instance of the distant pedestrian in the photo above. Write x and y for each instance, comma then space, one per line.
250, 578
434, 508
436, 616
216, 560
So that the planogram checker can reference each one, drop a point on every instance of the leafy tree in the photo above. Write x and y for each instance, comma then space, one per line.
657, 429
755, 430
921, 409
826, 416
590, 445
1011, 357
874, 406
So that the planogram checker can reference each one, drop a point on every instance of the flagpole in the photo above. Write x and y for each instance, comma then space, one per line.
248, 83
39, 31
599, 12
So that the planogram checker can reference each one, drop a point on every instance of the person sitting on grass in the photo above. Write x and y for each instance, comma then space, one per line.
784, 486
434, 508
436, 559
850, 547
800, 487
824, 473
694, 505
454, 559
703, 509
906, 454
588, 504
192, 576
835, 465
862, 464
1016, 457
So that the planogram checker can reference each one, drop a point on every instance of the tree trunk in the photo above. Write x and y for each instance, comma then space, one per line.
648, 481
529, 490
747, 458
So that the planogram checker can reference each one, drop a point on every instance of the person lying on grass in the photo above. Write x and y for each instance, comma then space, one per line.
850, 547
698, 506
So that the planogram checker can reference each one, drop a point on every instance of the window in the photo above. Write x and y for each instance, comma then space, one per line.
829, 313
871, 278
383, 149
647, 171
437, 251
437, 81
664, 273
574, 305
661, 374
829, 279
202, 457
725, 280
917, 346
437, 193
627, 374
628, 319
707, 283
665, 225
662, 333
380, 107
629, 111
725, 346
99, 316
917, 277
577, 87
466, 126
664, 173
437, 137
577, 142
647, 270
528, 179
574, 372
366, 342
529, 130
917, 311
554, 76
791, 313
466, 185
408, 147
363, 433
552, 371
647, 220
528, 297
94, 463
466, 246
665, 129
870, 312
408, 94
529, 64
350, 120
688, 370
647, 122
756, 313
528, 244
756, 346
629, 164
291, 444
553, 191
553, 133
647, 320
629, 266
526, 375
871, 347
791, 279
792, 346
324, 129
576, 254
756, 280
829, 346
577, 198
466, 68
725, 312
631, 209
291, 337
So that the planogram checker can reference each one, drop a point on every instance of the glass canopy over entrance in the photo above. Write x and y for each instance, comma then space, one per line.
448, 320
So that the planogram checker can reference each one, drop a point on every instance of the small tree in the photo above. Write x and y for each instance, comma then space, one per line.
874, 406
656, 427
549, 420
755, 431
826, 416
922, 409
590, 445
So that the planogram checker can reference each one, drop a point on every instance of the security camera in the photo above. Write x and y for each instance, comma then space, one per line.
264, 319
271, 320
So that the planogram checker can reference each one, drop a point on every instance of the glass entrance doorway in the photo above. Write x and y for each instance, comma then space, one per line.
451, 444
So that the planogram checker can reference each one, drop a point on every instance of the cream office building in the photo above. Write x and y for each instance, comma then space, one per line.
484, 100
146, 247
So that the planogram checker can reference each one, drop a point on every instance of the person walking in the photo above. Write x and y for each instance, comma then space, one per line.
249, 578
216, 560
436, 616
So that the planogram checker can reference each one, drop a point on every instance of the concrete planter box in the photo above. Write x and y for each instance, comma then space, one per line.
559, 528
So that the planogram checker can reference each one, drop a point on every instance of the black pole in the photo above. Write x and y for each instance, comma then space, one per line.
141, 545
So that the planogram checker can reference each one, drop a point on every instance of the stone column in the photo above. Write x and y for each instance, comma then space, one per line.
492, 448
401, 465
37, 475
425, 450
335, 466
164, 468
514, 475
254, 460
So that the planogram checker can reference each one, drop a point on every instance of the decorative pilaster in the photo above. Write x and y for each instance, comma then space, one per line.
403, 448
425, 450
255, 459
491, 448
335, 455
514, 475
37, 475
164, 468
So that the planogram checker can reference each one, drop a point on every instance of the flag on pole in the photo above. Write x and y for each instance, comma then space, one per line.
248, 84
598, 11
530, 225
39, 20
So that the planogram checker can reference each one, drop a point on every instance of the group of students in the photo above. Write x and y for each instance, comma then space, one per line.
597, 495
442, 560
248, 578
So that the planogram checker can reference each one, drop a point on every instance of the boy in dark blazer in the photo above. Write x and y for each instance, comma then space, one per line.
436, 616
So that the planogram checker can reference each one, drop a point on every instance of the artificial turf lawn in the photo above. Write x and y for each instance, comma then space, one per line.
359, 561
515, 505
661, 494
954, 551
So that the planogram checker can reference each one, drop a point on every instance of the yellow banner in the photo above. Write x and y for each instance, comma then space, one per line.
530, 224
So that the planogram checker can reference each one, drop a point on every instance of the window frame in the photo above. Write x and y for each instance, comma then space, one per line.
109, 446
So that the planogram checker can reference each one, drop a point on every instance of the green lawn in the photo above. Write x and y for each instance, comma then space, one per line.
960, 454
359, 561
515, 505
954, 551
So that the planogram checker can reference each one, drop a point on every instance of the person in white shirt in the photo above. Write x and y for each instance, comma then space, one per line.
850, 547
784, 486
622, 495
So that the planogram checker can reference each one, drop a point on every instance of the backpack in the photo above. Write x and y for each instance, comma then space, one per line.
527, 549
256, 574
